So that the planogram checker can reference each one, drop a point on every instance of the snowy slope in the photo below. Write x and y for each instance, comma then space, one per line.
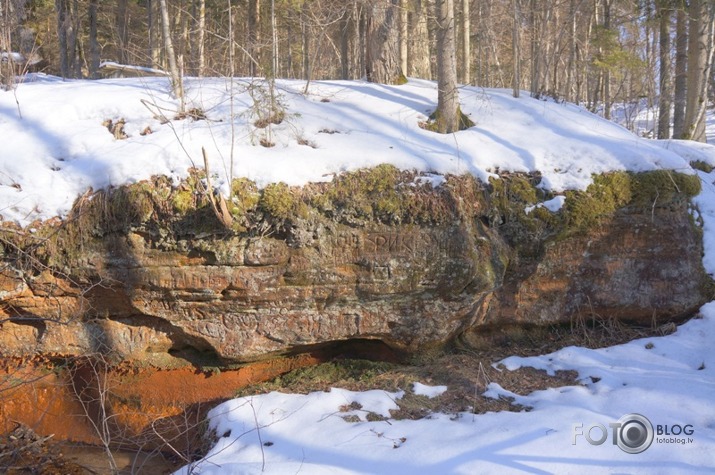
54, 146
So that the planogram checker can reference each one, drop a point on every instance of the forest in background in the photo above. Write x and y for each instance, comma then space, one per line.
654, 53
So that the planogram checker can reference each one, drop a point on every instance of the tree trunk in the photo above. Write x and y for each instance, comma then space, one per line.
67, 23
199, 46
93, 43
466, 49
681, 70
305, 32
254, 36
274, 41
7, 66
699, 59
418, 59
403, 36
154, 22
361, 29
176, 83
571, 95
382, 62
516, 81
447, 113
122, 19
606, 73
666, 80
345, 34
535, 46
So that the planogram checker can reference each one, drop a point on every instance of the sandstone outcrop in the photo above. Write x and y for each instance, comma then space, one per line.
148, 274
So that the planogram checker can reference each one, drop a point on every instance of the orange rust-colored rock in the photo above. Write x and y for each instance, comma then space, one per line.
147, 408
39, 398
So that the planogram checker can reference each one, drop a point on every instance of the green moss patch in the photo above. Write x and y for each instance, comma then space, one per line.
702, 166
383, 194
283, 202
663, 188
601, 199
435, 121
638, 191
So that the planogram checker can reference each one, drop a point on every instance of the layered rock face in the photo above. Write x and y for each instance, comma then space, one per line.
146, 278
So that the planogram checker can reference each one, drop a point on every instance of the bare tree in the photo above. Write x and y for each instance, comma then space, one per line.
122, 22
346, 33
382, 61
665, 102
93, 43
254, 37
700, 48
418, 45
177, 87
515, 39
466, 59
305, 33
447, 113
681, 68
67, 31
154, 22
198, 45
403, 35
11, 12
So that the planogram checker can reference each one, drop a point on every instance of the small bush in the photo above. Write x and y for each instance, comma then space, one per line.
275, 117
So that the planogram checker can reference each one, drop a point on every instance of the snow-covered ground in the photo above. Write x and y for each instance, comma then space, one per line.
55, 144
669, 380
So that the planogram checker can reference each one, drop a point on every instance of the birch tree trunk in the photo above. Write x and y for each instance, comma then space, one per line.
466, 62
571, 95
681, 70
200, 40
606, 73
699, 60
666, 79
176, 83
254, 36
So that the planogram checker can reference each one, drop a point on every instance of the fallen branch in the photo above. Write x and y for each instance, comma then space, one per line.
217, 204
